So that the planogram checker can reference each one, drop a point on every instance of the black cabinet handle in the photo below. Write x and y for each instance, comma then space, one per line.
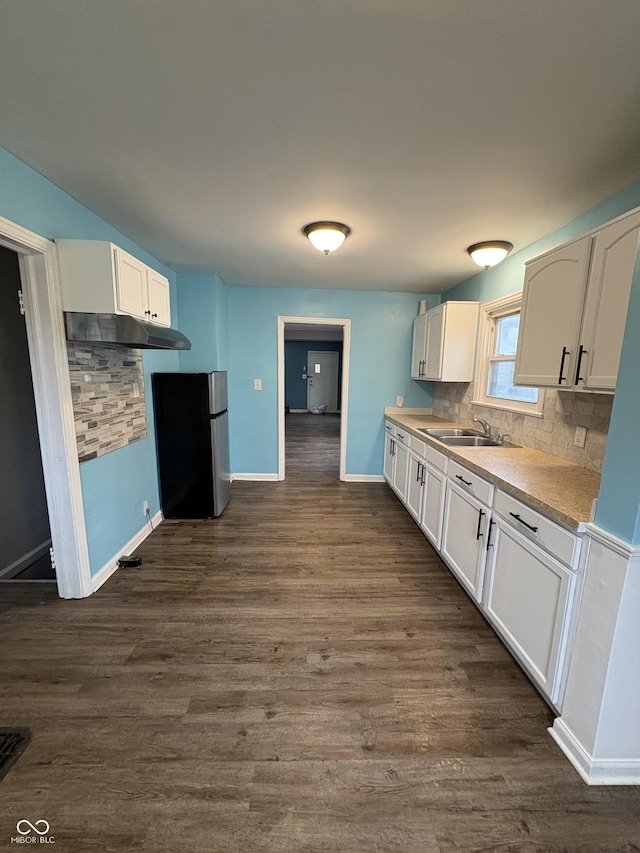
489, 542
466, 482
418, 473
582, 351
522, 521
565, 353
481, 513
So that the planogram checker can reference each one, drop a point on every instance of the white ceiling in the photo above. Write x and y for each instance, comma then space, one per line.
212, 131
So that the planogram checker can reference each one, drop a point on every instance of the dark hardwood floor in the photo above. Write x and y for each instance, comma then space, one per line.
302, 674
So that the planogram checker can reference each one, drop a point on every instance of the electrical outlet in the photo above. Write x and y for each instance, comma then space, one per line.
399, 401
580, 437
145, 507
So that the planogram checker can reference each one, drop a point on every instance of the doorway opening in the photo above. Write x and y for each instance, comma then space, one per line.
313, 385
49, 367
25, 536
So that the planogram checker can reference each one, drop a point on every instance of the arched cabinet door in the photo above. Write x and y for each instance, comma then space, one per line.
550, 321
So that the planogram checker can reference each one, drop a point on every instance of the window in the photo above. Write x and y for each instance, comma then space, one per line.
496, 360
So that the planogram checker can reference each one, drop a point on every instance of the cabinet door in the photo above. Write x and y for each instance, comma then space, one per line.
433, 505
158, 299
605, 313
131, 285
418, 347
463, 538
527, 599
434, 347
389, 457
400, 469
554, 289
415, 485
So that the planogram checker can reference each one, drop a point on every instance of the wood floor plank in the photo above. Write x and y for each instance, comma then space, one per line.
301, 674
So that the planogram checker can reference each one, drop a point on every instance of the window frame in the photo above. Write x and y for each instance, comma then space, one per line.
489, 313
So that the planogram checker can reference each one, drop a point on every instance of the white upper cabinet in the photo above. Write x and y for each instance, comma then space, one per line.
98, 277
574, 310
444, 341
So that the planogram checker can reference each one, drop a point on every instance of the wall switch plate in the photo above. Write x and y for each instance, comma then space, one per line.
399, 401
580, 437
257, 384
304, 375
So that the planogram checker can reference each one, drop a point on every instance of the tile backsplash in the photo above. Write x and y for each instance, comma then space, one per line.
107, 414
553, 433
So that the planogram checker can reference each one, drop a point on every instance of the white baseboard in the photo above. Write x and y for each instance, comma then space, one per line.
255, 477
594, 771
364, 478
18, 565
109, 568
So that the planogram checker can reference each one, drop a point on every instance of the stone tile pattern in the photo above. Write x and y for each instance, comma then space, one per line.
553, 433
107, 415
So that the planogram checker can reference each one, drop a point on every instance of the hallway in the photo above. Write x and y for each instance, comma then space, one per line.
312, 446
302, 674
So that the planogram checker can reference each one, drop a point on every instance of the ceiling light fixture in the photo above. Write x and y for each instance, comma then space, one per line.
326, 236
489, 253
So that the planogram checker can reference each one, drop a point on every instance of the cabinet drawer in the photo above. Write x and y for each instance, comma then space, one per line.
418, 446
390, 429
401, 434
471, 482
558, 541
437, 459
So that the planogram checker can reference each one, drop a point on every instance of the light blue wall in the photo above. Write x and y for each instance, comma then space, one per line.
381, 331
204, 320
619, 500
114, 486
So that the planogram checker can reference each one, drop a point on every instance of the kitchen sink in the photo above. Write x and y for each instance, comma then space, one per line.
473, 441
440, 432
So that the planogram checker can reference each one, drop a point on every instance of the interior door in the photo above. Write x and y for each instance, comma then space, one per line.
322, 380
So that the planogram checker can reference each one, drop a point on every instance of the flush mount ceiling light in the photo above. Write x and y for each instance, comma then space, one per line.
326, 236
489, 253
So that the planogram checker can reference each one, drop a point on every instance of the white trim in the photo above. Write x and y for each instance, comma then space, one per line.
30, 557
594, 771
54, 408
364, 478
344, 408
298, 411
111, 567
490, 311
257, 478
618, 546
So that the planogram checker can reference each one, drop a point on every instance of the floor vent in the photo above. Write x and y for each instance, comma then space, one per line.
13, 742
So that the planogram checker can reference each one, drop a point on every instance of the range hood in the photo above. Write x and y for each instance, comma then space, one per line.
122, 329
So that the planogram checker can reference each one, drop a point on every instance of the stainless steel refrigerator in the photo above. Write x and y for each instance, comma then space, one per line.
192, 433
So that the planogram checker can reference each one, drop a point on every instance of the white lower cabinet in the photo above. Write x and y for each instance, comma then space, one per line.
415, 484
527, 598
530, 590
518, 565
400, 469
464, 531
433, 504
396, 459
389, 455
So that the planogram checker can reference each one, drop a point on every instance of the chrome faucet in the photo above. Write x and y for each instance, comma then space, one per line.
485, 426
